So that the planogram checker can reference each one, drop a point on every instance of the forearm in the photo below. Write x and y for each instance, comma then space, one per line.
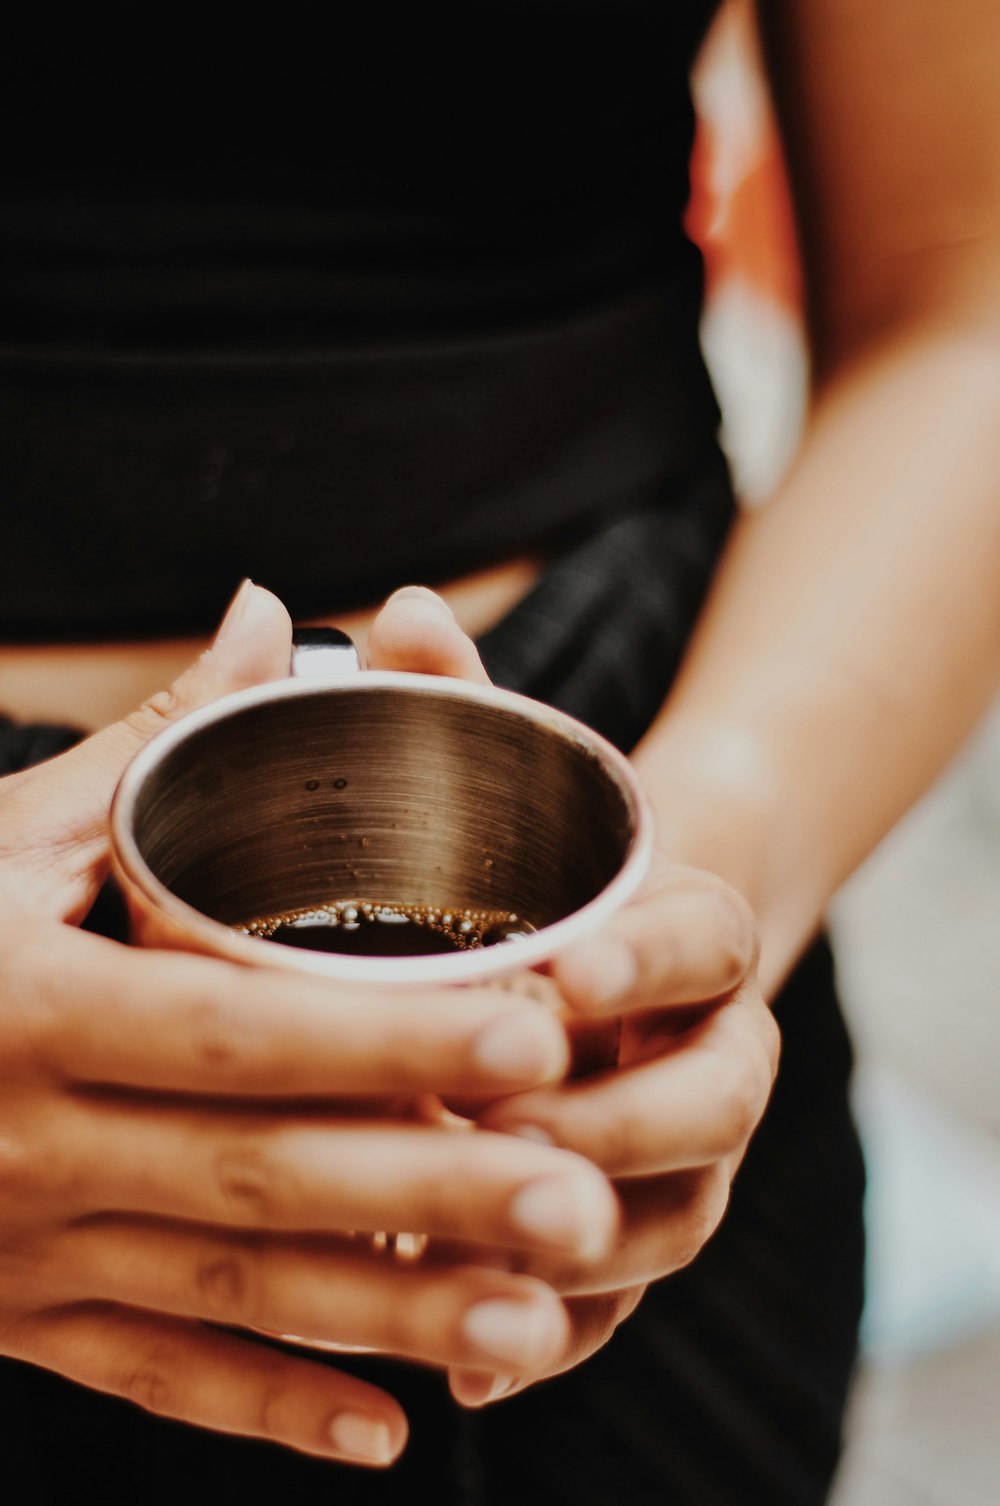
851, 642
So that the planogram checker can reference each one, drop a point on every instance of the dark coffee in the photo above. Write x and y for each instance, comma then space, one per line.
381, 928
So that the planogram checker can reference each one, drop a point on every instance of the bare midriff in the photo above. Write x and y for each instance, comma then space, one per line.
92, 684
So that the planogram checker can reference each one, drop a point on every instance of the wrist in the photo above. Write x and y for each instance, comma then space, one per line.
715, 794
720, 799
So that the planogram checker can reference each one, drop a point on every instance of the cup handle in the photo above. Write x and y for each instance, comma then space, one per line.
323, 653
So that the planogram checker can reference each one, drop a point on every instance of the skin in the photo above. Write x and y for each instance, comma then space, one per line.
849, 645
173, 1149
851, 640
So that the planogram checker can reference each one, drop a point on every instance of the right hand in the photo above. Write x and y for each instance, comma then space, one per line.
173, 1156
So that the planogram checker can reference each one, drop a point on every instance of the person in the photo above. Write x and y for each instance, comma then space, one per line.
341, 316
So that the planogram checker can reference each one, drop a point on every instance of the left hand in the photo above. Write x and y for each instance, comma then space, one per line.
676, 1053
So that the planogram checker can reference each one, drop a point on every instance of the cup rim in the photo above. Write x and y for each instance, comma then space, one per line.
207, 935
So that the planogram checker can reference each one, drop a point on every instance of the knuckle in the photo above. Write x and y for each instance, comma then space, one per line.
614, 1307
150, 1383
735, 931
219, 1040
710, 1206
620, 1147
738, 1107
428, 1322
36, 999
161, 707
276, 1409
248, 1178
771, 1043
594, 1321
39, 1166
703, 1214
631, 1298
230, 1285
18, 1168
23, 1334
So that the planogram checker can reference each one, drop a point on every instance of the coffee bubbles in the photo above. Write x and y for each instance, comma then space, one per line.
381, 928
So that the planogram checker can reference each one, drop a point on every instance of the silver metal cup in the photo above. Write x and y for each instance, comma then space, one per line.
404, 788
411, 789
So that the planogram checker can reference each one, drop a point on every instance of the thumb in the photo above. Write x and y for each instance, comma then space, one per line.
61, 807
253, 644
416, 631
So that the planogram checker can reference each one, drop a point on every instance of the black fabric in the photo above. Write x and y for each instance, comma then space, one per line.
415, 172
602, 632
24, 744
140, 490
727, 1386
327, 311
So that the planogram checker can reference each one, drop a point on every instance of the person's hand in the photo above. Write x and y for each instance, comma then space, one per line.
675, 1054
173, 1161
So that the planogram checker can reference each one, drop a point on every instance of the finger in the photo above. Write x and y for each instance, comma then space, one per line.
592, 1322
321, 1290
275, 1173
666, 1222
692, 1099
689, 938
61, 806
167, 1021
215, 1380
416, 631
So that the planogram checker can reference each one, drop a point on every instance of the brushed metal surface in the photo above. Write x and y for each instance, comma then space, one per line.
393, 794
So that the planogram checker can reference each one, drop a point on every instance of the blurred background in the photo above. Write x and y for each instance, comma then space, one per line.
917, 930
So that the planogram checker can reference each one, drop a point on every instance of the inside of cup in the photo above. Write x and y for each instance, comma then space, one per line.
390, 794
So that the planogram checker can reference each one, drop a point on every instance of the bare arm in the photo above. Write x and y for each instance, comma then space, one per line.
853, 637
851, 640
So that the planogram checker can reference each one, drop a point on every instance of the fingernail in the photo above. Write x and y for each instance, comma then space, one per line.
610, 970
476, 1387
362, 1435
576, 1214
528, 1047
515, 1333
235, 610
421, 593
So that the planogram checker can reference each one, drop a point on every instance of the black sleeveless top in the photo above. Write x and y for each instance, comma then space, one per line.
335, 303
